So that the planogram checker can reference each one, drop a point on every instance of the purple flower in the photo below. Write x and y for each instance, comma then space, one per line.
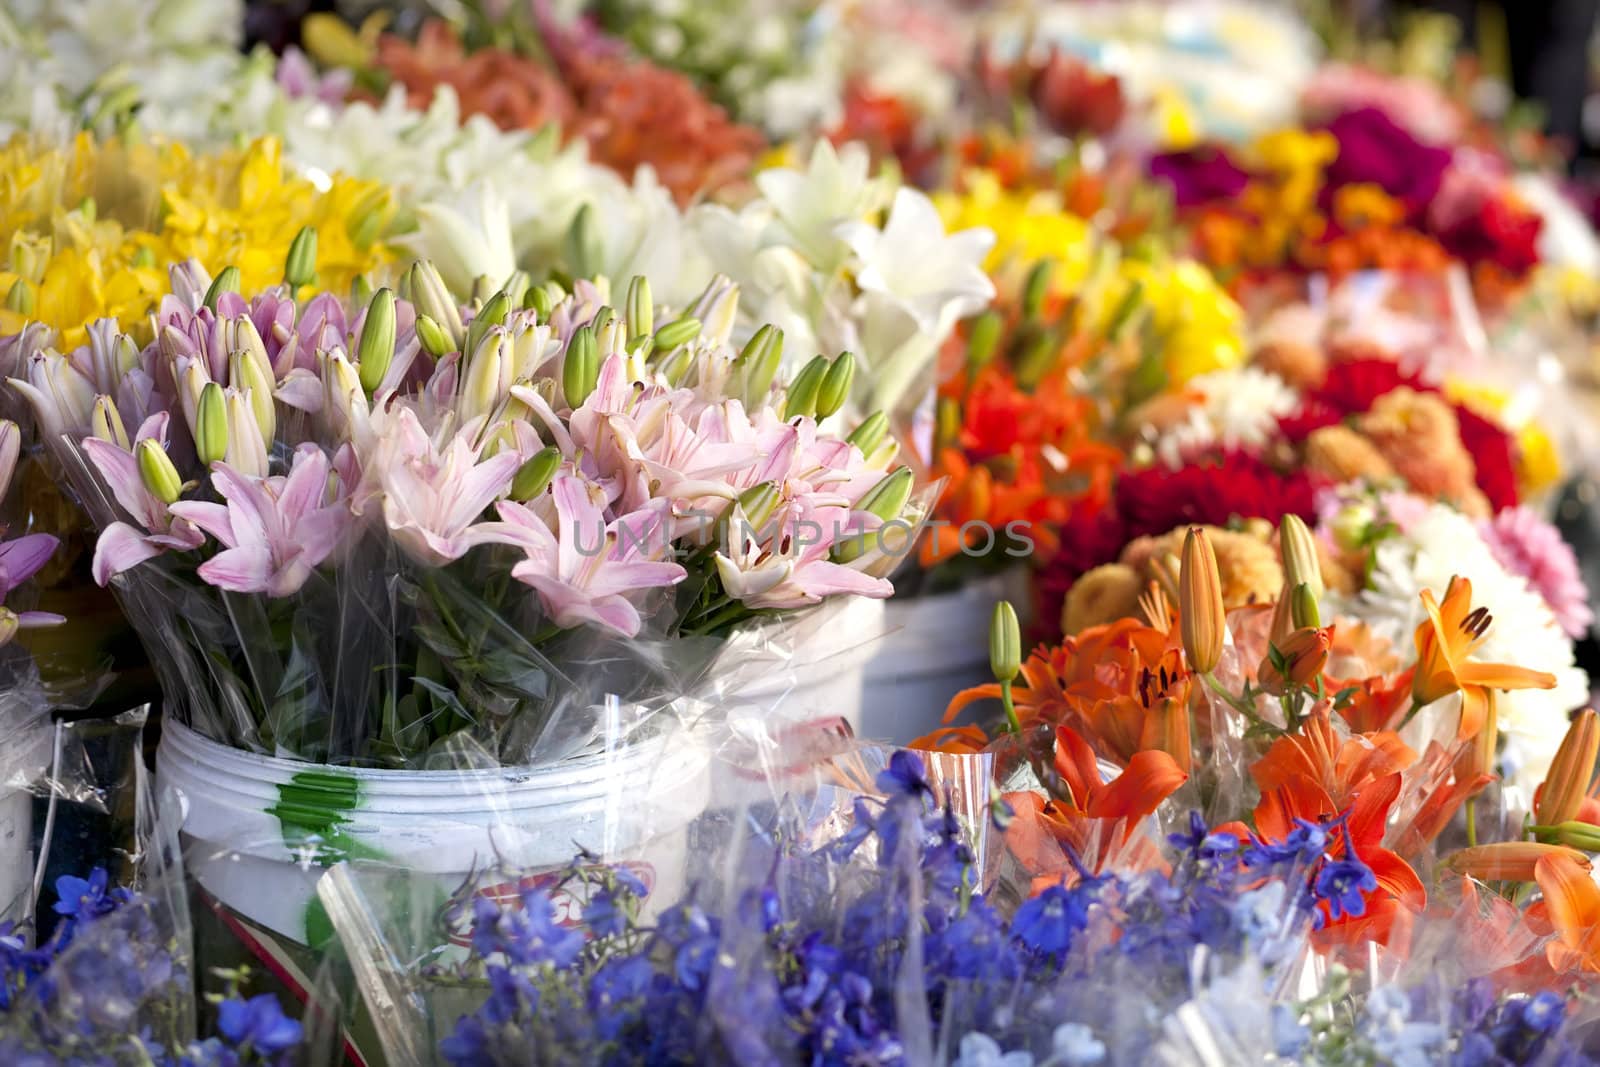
1200, 176
1046, 923
1374, 149
260, 1023
1341, 883
905, 776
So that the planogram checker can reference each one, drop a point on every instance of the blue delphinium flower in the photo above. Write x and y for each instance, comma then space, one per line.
906, 775
1341, 883
260, 1023
1047, 922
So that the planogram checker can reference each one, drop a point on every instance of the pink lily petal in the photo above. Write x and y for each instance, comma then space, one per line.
239, 570
118, 548
21, 558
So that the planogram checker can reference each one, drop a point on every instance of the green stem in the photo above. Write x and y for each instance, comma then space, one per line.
1238, 705
1013, 723
1416, 706
1472, 822
726, 615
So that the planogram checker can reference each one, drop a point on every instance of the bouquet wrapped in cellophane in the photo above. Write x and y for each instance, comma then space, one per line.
350, 530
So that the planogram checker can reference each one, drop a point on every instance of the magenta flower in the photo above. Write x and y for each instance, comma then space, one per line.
1375, 149
585, 571
1527, 545
155, 529
276, 530
1200, 176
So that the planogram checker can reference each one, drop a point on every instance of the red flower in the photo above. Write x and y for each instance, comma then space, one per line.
1211, 492
1490, 446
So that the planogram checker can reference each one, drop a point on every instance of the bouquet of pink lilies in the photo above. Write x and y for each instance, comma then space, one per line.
355, 530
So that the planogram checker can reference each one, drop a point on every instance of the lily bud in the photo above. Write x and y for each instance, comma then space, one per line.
1299, 551
801, 396
1579, 835
887, 500
157, 472
488, 377
759, 364
584, 250
947, 423
718, 308
432, 338
1036, 288
244, 340
433, 299
191, 380
1477, 759
539, 300
1282, 617
226, 282
1296, 663
983, 340
581, 368
1351, 524
11, 448
1005, 642
360, 290
1303, 606
1509, 861
369, 217
247, 449
1567, 782
1200, 613
248, 378
677, 367
10, 623
492, 314
20, 298
835, 389
757, 505
342, 386
534, 476
300, 266
211, 425
1037, 357
870, 433
678, 332
641, 309
516, 287
126, 353
376, 349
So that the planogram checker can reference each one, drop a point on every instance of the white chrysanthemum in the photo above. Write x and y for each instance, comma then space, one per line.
1444, 543
1239, 408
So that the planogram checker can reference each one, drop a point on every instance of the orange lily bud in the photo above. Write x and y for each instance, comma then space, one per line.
1200, 613
1567, 782
1297, 662
1282, 617
1509, 861
1580, 835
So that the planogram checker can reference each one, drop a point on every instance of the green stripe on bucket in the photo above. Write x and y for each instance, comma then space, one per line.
312, 807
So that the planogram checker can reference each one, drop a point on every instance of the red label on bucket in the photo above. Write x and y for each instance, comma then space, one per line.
567, 900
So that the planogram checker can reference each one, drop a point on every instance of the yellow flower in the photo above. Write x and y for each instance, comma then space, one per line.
98, 224
1028, 227
1175, 120
1199, 327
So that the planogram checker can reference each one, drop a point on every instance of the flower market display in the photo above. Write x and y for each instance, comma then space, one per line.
806, 532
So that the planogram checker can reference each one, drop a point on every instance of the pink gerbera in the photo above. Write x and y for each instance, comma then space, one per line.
1527, 545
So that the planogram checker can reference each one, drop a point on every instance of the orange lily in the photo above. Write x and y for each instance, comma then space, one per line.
1097, 819
1573, 903
1444, 785
1451, 633
1315, 774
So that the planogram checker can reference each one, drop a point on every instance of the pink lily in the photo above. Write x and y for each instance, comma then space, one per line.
298, 78
276, 530
20, 559
791, 569
586, 571
432, 497
123, 545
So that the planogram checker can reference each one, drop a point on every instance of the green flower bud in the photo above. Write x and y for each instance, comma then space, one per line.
676, 367
1036, 360
538, 299
226, 282
583, 244
1303, 607
1299, 551
641, 309
248, 376
1005, 642
534, 476
433, 299
835, 389
376, 350
211, 425
983, 340
127, 354
679, 331
432, 338
360, 289
581, 369
105, 422
300, 266
493, 313
887, 500
947, 422
759, 364
157, 472
870, 433
516, 287
20, 298
801, 396
1573, 834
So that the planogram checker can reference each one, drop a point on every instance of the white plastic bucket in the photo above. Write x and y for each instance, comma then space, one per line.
936, 646
260, 830
830, 661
